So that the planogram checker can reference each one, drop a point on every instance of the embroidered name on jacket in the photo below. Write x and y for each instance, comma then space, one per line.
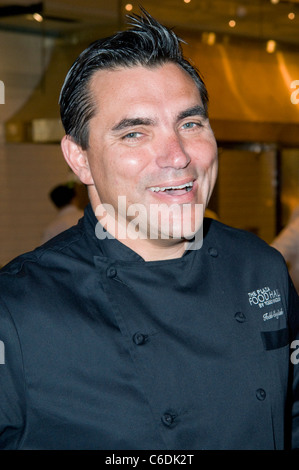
264, 297
273, 314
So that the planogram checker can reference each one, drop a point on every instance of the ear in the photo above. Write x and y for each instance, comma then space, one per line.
77, 160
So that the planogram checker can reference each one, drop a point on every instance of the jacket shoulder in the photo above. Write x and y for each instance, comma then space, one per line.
64, 243
242, 243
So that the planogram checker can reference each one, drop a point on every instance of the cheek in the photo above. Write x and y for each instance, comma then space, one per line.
129, 166
207, 158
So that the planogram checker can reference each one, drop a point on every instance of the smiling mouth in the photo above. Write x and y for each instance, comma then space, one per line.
182, 187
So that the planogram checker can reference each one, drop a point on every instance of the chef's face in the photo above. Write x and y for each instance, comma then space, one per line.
150, 146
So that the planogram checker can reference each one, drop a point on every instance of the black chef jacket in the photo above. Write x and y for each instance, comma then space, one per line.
102, 350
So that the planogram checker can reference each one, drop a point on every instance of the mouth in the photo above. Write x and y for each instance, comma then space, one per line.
175, 190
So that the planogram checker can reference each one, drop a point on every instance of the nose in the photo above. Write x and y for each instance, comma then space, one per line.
171, 153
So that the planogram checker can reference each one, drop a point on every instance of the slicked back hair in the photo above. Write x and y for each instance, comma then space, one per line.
146, 43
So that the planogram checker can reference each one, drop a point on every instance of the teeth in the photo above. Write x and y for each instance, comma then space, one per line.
156, 189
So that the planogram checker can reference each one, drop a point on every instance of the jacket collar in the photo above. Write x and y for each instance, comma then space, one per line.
109, 246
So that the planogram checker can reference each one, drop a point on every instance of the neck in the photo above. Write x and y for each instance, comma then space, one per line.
148, 249
156, 250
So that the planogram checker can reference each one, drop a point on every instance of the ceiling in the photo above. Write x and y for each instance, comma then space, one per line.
254, 19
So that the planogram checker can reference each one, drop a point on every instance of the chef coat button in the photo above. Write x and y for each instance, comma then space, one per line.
213, 252
240, 317
139, 338
260, 394
111, 272
167, 419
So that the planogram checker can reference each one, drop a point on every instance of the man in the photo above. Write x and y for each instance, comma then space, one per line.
129, 331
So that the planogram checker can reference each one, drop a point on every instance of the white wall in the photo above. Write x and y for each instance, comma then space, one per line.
27, 171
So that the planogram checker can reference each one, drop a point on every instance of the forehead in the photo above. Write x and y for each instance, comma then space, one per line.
116, 87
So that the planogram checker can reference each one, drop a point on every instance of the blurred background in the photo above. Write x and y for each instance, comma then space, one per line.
248, 54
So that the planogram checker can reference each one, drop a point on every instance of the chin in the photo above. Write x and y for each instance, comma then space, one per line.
181, 231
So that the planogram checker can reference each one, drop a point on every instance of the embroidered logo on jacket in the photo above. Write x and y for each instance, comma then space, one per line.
264, 297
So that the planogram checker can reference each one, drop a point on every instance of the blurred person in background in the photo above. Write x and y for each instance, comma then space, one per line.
287, 242
66, 201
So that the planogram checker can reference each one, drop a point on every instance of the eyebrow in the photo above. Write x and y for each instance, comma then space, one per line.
131, 122
193, 111
139, 121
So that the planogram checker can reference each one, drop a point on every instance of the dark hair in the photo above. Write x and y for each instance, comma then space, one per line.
62, 195
146, 43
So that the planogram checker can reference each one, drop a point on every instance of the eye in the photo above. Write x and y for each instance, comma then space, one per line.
191, 125
132, 135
